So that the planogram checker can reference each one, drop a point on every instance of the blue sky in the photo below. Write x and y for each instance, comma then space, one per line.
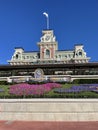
73, 22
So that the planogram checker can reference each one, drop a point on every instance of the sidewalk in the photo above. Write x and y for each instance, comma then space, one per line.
31, 125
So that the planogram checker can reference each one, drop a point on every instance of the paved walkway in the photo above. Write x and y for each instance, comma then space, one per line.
31, 125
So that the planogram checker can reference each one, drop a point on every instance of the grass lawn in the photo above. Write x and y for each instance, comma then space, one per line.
6, 90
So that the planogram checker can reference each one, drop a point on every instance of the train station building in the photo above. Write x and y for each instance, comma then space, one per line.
49, 53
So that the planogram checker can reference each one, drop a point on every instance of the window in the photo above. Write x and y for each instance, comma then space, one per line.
56, 57
23, 57
47, 53
16, 56
65, 56
27, 57
59, 56
80, 53
69, 56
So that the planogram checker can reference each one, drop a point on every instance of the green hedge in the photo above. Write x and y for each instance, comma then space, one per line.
6, 83
66, 95
85, 81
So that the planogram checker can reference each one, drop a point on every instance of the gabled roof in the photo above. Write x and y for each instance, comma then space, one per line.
31, 51
78, 44
19, 48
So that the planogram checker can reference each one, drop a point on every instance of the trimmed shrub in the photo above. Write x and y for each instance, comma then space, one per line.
85, 81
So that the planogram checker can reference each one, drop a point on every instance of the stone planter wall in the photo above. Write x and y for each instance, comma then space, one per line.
49, 109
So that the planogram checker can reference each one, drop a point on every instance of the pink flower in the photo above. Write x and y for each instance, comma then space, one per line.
27, 89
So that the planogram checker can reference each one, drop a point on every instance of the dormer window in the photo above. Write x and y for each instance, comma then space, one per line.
80, 53
17, 56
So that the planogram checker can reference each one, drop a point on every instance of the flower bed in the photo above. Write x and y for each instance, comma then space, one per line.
49, 90
77, 89
27, 89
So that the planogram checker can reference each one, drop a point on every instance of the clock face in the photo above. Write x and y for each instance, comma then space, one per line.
47, 38
38, 73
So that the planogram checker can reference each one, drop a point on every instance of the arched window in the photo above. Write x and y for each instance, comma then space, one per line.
80, 53
16, 56
47, 53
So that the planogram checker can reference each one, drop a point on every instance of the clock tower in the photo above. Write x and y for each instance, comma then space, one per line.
47, 45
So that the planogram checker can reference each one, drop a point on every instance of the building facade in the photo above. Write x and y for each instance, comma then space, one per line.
48, 53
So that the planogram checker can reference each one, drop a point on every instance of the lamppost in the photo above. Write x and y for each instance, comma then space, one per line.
47, 16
